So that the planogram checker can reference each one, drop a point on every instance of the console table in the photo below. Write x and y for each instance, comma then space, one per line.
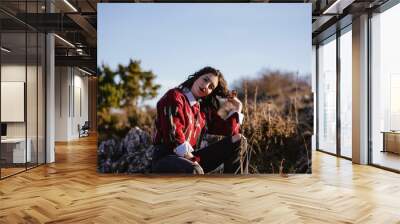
391, 141
13, 150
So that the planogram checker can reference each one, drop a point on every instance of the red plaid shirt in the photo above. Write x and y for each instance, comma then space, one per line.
180, 121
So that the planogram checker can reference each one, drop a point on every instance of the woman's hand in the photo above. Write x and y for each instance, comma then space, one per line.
197, 169
188, 155
235, 101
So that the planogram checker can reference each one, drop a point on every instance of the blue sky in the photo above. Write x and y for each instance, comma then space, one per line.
175, 40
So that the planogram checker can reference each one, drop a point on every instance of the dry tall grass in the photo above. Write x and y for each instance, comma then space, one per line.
278, 123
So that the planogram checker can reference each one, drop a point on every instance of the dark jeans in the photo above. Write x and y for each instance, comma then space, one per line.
211, 157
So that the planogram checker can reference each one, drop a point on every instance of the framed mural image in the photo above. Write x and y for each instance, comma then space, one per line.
204, 88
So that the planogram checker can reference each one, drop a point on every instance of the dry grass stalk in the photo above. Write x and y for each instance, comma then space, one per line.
272, 123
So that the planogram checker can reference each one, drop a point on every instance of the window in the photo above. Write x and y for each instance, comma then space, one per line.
346, 93
385, 88
22, 75
327, 96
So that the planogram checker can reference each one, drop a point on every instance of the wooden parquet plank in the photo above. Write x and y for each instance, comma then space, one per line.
71, 191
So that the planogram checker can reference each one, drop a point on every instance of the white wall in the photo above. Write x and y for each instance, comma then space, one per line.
62, 81
33, 127
80, 110
12, 73
71, 94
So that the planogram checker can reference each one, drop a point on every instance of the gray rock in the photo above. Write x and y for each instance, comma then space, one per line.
133, 154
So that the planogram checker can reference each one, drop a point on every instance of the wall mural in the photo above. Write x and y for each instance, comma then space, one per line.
204, 88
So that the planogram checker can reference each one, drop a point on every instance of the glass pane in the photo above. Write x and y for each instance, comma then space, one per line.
22, 77
386, 89
346, 94
13, 86
31, 84
14, 5
313, 84
327, 97
31, 97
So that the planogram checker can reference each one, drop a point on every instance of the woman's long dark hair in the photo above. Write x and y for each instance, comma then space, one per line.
221, 89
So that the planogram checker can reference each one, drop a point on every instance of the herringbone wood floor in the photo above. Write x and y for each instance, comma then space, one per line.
70, 191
